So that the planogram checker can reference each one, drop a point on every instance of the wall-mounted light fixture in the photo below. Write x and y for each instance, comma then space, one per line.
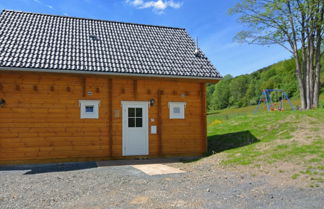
152, 101
2, 102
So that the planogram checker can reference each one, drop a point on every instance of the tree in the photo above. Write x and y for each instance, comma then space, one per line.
238, 88
220, 96
296, 25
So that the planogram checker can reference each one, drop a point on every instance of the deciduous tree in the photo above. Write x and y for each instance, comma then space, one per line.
296, 25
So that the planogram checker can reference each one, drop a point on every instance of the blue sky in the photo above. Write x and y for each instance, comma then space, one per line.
206, 19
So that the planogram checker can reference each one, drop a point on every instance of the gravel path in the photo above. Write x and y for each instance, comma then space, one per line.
83, 185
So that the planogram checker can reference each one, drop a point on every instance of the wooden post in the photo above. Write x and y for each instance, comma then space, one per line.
110, 112
135, 89
84, 85
203, 118
159, 122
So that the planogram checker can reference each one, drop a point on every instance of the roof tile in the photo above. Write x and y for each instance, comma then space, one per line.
40, 41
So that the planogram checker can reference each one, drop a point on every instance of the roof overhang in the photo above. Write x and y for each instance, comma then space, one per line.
146, 76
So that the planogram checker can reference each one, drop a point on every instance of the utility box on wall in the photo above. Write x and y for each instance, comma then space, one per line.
153, 130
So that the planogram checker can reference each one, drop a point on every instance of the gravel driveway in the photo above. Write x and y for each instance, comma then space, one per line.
84, 185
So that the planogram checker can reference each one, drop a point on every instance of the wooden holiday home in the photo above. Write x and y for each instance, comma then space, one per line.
76, 89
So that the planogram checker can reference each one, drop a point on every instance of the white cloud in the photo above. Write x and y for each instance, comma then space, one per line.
157, 5
50, 6
47, 5
135, 2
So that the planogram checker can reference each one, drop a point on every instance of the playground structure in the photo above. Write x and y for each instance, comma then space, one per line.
274, 106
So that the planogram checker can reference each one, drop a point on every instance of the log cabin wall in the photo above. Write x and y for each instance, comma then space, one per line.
40, 121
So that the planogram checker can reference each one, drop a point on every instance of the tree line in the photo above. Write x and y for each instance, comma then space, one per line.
246, 89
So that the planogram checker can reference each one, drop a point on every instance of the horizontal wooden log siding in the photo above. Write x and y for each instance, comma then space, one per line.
41, 117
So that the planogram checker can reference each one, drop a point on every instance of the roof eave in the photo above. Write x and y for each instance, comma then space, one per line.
210, 79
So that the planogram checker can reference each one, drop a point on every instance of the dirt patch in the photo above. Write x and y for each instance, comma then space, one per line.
281, 173
305, 134
288, 119
139, 200
306, 131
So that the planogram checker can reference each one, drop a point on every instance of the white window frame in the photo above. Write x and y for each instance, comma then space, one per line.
91, 115
181, 106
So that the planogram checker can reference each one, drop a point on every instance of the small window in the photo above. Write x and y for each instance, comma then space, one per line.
131, 122
135, 117
89, 108
177, 110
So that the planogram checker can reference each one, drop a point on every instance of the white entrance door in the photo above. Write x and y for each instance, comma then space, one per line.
135, 128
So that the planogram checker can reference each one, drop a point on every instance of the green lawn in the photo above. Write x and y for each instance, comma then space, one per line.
256, 139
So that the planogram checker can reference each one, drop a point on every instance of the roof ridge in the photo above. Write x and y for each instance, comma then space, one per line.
84, 18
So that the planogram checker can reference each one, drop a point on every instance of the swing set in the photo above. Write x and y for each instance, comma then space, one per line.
278, 95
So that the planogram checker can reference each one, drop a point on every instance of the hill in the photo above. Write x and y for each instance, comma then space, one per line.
246, 89
289, 145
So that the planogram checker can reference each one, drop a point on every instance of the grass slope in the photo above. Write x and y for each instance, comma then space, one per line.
270, 139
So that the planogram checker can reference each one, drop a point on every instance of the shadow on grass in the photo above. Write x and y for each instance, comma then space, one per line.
220, 143
213, 113
223, 142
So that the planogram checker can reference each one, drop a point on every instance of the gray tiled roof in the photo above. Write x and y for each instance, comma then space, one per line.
50, 42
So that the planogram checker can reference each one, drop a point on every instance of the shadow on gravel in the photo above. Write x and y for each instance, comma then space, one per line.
144, 161
61, 167
220, 143
47, 168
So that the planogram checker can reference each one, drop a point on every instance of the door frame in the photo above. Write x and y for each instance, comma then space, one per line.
144, 104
